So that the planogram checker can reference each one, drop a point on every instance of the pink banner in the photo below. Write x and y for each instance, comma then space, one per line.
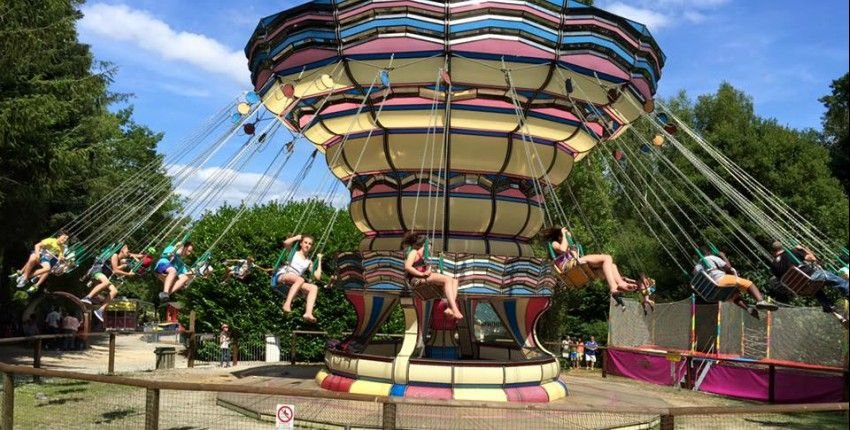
643, 367
791, 386
746, 383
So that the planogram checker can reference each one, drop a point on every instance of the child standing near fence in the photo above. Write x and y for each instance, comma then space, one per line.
224, 343
579, 354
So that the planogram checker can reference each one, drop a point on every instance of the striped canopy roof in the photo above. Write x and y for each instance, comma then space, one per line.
447, 113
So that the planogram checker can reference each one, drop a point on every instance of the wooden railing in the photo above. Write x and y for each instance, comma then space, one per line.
153, 387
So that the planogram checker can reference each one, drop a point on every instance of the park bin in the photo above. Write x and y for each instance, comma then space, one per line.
165, 357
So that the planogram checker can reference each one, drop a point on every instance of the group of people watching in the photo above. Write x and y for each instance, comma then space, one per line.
577, 353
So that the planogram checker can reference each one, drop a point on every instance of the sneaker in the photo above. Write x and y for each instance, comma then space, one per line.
99, 314
22, 282
86, 300
619, 301
32, 290
163, 297
829, 309
765, 306
15, 274
754, 312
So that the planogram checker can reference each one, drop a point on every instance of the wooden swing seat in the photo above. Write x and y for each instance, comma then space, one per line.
424, 290
708, 290
576, 277
799, 283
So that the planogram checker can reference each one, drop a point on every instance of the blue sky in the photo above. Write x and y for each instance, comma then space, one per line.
183, 59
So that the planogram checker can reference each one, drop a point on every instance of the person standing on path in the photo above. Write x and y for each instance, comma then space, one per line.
591, 348
565, 352
224, 344
52, 322
579, 353
70, 326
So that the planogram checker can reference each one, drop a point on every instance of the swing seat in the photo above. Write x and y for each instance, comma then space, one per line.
576, 277
799, 283
424, 290
708, 290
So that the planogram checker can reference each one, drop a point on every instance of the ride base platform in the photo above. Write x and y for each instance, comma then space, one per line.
588, 391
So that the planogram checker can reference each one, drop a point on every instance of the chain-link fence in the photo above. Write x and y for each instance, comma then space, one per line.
725, 328
78, 401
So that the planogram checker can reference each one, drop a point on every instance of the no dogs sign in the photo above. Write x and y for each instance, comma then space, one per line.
285, 417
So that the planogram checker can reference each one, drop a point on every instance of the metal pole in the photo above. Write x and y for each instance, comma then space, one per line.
111, 366
152, 409
8, 401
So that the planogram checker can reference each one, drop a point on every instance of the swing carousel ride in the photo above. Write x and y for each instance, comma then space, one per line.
457, 121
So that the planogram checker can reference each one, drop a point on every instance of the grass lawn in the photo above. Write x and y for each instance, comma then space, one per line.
76, 404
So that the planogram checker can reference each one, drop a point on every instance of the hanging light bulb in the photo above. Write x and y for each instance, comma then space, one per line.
658, 140
252, 97
288, 90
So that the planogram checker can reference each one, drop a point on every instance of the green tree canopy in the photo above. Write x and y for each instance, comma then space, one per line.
65, 139
835, 128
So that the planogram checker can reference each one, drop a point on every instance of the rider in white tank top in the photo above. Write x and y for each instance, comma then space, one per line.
298, 265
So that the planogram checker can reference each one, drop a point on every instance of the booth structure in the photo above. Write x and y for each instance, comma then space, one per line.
492, 354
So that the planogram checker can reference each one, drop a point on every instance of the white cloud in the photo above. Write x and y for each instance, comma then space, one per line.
652, 19
139, 28
239, 188
694, 16
182, 90
660, 14
233, 193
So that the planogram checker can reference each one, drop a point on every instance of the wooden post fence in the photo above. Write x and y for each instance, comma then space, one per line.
111, 365
8, 401
152, 409
668, 422
190, 356
36, 357
388, 416
292, 348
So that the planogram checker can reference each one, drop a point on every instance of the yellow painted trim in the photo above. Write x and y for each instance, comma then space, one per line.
371, 388
555, 390
320, 377
481, 394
